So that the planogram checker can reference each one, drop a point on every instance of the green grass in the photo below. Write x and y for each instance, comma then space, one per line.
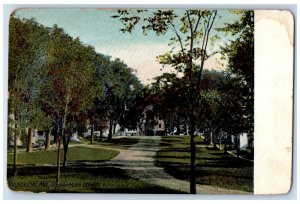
118, 143
213, 166
74, 154
78, 176
79, 180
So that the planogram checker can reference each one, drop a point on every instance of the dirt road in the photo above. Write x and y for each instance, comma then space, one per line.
138, 162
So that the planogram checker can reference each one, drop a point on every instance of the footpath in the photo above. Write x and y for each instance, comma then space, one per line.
138, 162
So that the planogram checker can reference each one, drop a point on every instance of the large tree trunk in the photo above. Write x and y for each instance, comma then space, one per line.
178, 126
220, 140
214, 138
110, 129
29, 140
65, 155
48, 139
58, 160
237, 145
225, 145
92, 133
114, 128
66, 142
193, 156
205, 135
101, 135
55, 140
61, 136
15, 143
214, 142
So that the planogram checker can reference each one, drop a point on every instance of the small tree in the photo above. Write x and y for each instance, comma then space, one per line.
192, 36
65, 89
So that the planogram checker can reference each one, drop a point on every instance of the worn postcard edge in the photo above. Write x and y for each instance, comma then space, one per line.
273, 108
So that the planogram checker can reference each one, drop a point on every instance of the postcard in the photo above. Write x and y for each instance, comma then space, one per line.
150, 101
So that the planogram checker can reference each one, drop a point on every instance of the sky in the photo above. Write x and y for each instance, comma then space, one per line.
95, 27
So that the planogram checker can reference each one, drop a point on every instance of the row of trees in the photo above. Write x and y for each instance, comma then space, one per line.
192, 33
58, 84
221, 108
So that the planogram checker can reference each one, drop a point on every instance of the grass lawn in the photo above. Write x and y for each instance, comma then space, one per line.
83, 179
79, 176
78, 154
213, 166
118, 143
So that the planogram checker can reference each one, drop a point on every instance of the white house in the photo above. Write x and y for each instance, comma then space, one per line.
243, 141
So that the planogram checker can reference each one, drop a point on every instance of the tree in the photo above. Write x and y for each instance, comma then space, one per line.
56, 83
240, 55
134, 104
27, 40
120, 84
44, 122
97, 111
64, 92
167, 96
209, 104
192, 37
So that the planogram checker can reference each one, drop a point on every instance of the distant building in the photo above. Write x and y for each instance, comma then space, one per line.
243, 141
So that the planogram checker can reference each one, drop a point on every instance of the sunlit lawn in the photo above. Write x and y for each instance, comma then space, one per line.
213, 166
76, 153
84, 172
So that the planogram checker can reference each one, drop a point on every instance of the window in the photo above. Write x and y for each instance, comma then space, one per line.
159, 125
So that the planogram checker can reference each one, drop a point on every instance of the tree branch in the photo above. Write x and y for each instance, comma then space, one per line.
191, 30
207, 31
178, 36
210, 24
198, 21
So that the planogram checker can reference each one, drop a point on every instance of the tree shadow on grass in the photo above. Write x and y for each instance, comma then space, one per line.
80, 179
122, 142
165, 144
180, 150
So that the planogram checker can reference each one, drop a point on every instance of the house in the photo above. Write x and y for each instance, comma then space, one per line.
243, 141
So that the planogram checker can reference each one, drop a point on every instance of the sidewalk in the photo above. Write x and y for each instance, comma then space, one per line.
138, 162
233, 154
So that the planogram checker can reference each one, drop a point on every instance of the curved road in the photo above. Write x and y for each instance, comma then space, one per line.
138, 162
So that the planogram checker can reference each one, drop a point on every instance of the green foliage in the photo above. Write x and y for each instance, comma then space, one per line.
240, 51
121, 89
167, 96
57, 82
27, 41
191, 29
221, 104
23, 136
218, 100
240, 54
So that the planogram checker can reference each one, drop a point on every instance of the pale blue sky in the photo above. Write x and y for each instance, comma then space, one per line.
96, 27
